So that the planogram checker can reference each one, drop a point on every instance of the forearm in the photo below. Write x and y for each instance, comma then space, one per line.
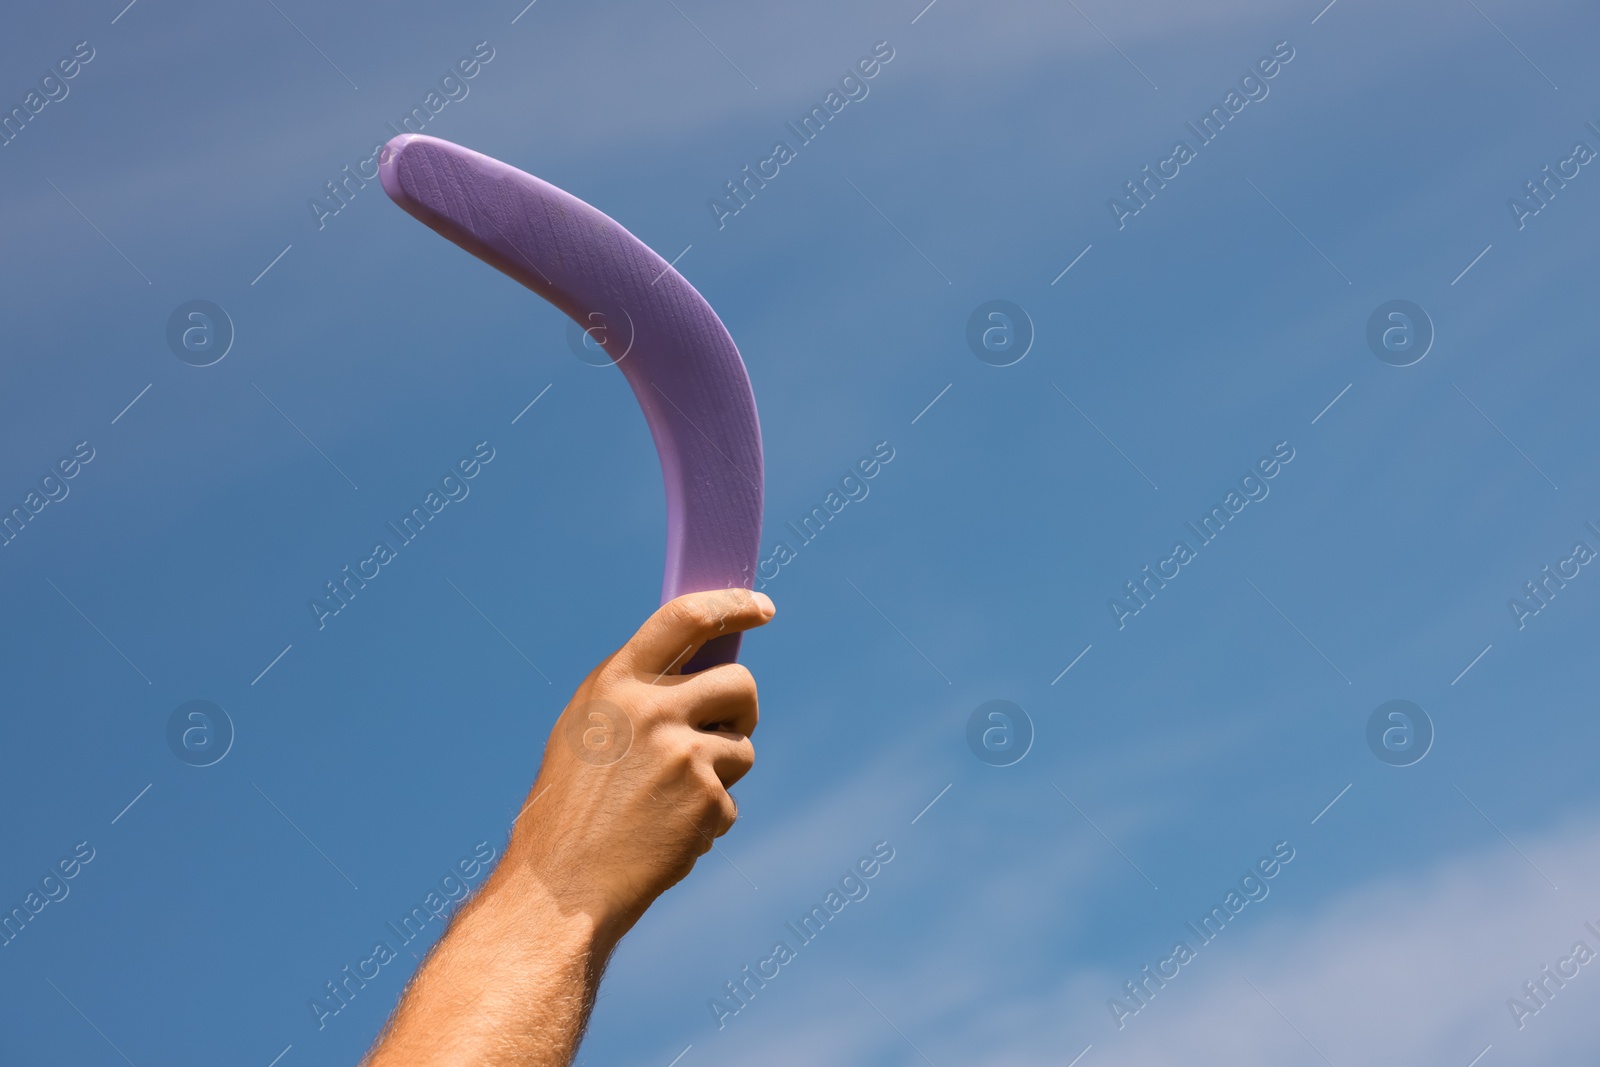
510, 983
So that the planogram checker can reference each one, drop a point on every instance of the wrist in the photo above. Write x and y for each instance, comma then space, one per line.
540, 903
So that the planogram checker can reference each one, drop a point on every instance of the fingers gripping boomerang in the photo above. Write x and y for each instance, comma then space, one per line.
669, 344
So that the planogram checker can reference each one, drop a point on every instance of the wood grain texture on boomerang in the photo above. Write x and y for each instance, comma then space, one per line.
675, 353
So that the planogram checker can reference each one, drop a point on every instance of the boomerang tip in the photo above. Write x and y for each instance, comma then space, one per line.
406, 147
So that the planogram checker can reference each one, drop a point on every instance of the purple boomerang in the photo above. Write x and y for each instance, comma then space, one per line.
674, 351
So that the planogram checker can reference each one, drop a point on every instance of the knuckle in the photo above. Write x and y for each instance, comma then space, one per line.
664, 704
708, 791
730, 601
717, 605
709, 786
740, 680
678, 764
727, 813
697, 750
652, 706
683, 614
611, 673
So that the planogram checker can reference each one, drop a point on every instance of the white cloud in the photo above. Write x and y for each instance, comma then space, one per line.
1412, 968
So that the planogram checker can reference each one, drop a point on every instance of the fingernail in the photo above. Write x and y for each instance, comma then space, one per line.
766, 604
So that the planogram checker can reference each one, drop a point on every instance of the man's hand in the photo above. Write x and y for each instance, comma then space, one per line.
633, 789
634, 785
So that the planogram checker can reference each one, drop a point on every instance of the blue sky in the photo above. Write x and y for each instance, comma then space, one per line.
1227, 316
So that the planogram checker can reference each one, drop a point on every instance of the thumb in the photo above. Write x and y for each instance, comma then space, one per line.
670, 636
